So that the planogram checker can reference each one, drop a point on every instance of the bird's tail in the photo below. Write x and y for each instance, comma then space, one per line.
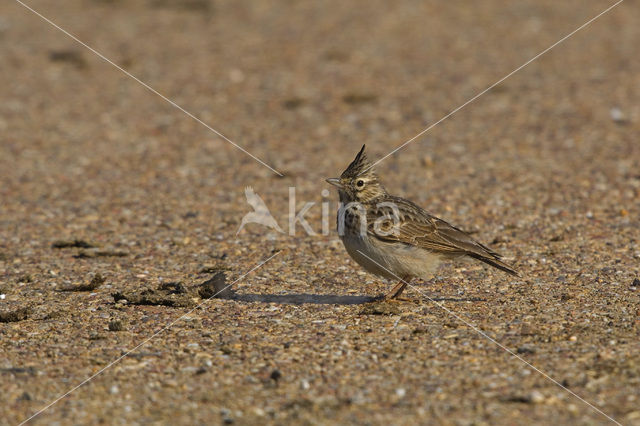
496, 263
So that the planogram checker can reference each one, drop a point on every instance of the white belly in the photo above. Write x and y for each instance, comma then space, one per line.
393, 261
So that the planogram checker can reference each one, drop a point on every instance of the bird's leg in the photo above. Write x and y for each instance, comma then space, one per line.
396, 291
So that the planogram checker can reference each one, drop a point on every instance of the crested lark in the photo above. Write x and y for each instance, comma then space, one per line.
393, 237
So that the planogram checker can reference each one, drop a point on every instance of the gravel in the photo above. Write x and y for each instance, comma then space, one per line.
101, 177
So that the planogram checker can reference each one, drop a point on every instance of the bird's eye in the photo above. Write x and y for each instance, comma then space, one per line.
360, 183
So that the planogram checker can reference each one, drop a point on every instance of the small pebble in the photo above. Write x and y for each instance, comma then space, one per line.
526, 349
275, 375
536, 397
116, 325
617, 115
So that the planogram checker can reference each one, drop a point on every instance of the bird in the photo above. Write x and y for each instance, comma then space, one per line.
393, 237
261, 213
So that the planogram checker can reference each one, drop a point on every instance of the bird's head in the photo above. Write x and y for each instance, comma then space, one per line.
358, 182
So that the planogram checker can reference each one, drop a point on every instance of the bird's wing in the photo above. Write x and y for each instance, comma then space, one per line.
412, 225
416, 227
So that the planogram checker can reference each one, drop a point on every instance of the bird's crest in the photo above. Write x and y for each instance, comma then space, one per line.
359, 166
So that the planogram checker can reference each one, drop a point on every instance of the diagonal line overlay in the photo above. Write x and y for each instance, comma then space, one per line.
146, 86
165, 328
497, 83
494, 341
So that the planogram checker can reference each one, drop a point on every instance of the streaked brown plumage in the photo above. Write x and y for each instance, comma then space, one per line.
393, 237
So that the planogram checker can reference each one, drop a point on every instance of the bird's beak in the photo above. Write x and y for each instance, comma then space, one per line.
335, 182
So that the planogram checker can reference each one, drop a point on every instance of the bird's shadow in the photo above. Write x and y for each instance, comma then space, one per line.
327, 299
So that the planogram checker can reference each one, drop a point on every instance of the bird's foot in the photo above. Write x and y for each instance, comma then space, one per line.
397, 299
396, 291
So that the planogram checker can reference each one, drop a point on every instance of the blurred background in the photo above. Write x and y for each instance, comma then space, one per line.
544, 167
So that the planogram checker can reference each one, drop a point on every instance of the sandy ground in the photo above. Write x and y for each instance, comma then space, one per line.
107, 191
